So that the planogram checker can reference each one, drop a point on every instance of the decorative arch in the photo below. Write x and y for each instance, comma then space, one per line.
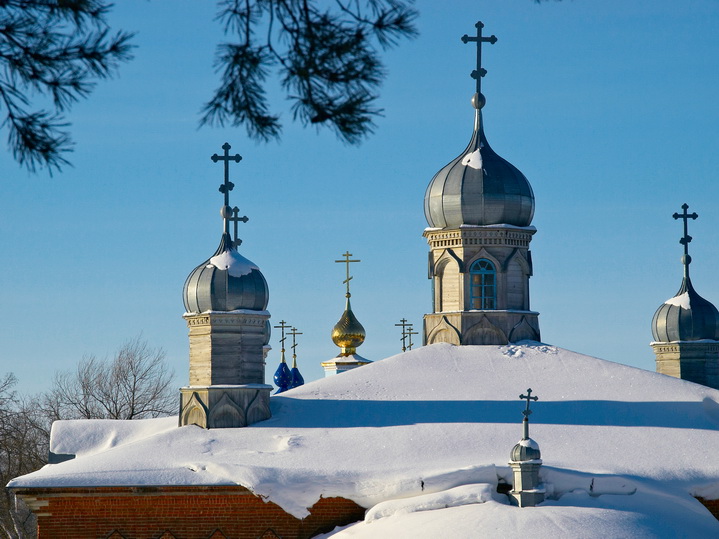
484, 332
444, 332
258, 410
194, 412
447, 287
226, 414
523, 331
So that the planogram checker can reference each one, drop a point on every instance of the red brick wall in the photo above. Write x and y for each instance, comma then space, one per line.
180, 513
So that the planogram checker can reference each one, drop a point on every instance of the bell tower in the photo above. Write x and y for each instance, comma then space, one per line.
479, 208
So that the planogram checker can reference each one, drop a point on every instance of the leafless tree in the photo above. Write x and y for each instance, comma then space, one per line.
24, 435
135, 384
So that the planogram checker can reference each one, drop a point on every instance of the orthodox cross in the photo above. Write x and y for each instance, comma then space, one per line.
686, 239
347, 262
237, 241
283, 326
528, 397
227, 186
411, 332
403, 324
526, 412
480, 72
294, 333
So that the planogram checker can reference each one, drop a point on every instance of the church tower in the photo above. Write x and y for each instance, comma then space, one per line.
225, 302
686, 328
479, 209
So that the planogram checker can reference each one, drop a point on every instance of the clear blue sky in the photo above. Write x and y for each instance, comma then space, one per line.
609, 108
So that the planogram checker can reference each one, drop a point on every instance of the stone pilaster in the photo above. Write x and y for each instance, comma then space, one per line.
526, 491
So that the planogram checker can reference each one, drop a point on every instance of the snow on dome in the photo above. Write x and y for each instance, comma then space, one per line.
681, 300
529, 443
233, 262
473, 160
616, 441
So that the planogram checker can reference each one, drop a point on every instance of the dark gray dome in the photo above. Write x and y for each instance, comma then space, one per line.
225, 282
526, 449
686, 317
478, 188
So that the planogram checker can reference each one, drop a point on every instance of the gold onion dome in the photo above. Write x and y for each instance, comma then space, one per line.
348, 333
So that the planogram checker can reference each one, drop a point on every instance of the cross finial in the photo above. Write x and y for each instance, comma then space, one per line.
347, 262
410, 332
528, 397
480, 72
526, 412
282, 327
686, 239
227, 185
294, 333
235, 219
403, 324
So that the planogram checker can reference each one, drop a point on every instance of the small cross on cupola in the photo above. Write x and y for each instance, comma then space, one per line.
525, 461
686, 239
480, 72
228, 213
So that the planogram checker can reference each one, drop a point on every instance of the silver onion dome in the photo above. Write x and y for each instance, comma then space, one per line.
524, 450
478, 187
686, 317
225, 282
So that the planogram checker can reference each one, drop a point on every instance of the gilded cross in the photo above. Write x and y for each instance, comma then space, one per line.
411, 332
282, 327
227, 185
686, 239
347, 262
480, 72
528, 397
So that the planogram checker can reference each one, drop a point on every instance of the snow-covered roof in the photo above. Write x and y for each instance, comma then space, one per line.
621, 445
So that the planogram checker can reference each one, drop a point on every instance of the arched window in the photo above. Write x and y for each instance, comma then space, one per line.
483, 289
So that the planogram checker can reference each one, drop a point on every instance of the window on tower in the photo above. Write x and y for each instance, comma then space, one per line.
483, 290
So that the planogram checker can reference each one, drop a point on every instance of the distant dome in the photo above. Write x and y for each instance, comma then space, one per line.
348, 333
524, 450
225, 282
686, 317
478, 188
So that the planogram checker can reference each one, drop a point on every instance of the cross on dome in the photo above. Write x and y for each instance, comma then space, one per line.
480, 72
403, 324
686, 239
227, 185
410, 332
347, 262
528, 397
294, 333
282, 327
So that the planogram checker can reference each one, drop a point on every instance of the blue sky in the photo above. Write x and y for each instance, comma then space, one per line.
609, 109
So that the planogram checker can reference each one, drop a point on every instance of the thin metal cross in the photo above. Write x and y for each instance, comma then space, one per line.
480, 72
227, 185
237, 241
411, 332
687, 238
283, 326
403, 324
294, 333
528, 397
347, 261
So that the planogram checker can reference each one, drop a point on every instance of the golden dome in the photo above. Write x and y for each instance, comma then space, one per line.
348, 333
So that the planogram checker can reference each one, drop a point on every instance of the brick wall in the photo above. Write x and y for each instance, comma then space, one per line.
178, 513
